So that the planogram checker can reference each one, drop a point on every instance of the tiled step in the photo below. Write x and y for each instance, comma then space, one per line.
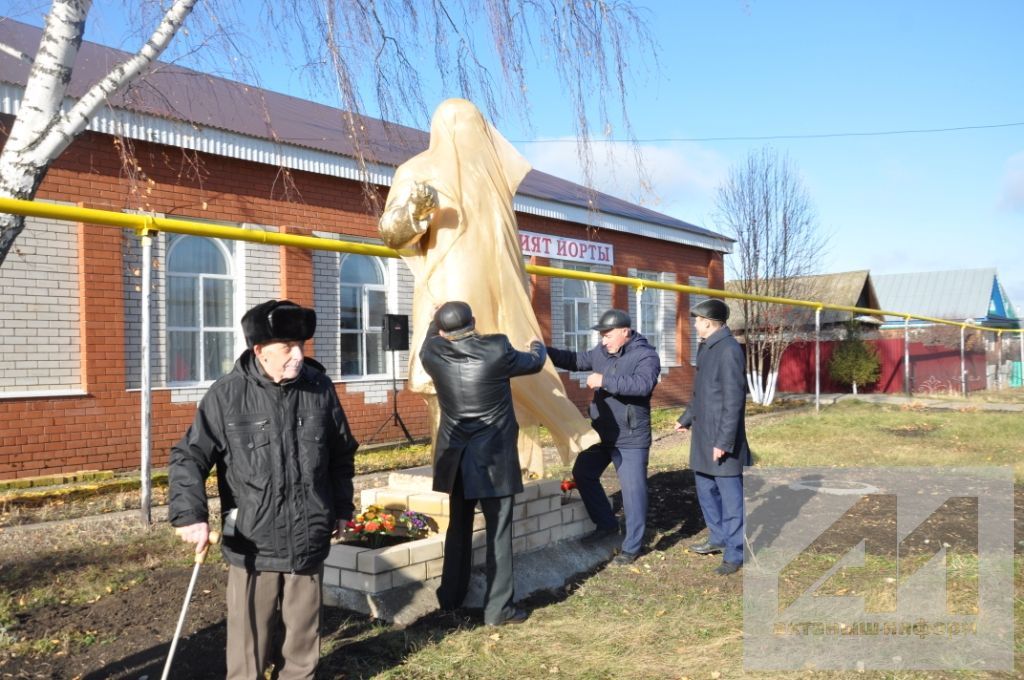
413, 479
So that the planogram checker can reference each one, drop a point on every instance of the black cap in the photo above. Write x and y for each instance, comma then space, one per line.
713, 309
278, 320
453, 316
613, 318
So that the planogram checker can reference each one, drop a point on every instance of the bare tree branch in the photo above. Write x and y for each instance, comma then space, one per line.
482, 50
41, 132
17, 54
77, 119
764, 206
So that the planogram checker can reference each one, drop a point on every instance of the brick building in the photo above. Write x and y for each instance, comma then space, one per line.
207, 149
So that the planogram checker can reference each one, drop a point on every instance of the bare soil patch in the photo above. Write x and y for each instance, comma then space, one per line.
122, 626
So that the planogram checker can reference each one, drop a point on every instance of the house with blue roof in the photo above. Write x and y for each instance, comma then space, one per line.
974, 295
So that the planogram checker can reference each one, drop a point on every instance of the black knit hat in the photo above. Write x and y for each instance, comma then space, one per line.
278, 320
713, 309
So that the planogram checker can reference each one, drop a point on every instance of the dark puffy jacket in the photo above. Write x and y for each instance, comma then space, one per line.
621, 408
284, 457
478, 432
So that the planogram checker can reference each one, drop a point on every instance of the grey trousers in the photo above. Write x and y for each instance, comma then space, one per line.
273, 617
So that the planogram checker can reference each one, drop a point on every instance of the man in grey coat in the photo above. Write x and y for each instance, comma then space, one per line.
718, 448
476, 458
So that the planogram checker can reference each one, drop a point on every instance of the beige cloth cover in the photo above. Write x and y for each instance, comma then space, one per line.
470, 251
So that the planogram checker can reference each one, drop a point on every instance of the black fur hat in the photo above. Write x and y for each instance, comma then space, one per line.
278, 320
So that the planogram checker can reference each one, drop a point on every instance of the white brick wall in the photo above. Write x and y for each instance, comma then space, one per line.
39, 310
262, 270
373, 391
325, 301
544, 520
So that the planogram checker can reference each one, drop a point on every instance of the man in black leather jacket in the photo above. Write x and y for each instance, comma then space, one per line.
276, 433
475, 450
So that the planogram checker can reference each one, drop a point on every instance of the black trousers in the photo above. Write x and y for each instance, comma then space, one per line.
458, 554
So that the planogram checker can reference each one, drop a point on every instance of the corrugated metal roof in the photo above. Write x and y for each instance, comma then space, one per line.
849, 289
954, 295
226, 117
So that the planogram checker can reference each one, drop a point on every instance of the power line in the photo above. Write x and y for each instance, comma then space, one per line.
762, 138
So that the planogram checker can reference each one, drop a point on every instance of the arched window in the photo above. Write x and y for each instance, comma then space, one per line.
363, 305
576, 304
200, 295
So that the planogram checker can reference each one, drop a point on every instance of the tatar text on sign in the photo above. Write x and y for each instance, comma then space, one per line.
562, 248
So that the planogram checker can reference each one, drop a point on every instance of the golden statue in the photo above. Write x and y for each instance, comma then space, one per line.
449, 213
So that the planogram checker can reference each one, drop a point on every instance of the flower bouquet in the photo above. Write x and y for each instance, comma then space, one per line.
376, 527
567, 486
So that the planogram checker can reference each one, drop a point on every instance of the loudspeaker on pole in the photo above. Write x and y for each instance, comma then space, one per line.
396, 332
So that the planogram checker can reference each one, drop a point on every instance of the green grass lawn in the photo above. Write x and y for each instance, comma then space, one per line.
1013, 395
665, 616
856, 434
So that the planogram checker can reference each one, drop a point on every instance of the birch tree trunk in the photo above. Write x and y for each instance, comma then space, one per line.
379, 47
45, 126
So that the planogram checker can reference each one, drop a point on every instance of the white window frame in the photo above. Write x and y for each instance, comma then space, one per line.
201, 328
368, 327
651, 298
584, 340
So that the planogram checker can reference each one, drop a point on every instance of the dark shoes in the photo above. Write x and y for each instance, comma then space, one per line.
517, 616
599, 534
705, 548
726, 568
624, 558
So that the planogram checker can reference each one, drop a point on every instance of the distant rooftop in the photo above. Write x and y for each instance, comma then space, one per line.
955, 295
190, 109
849, 289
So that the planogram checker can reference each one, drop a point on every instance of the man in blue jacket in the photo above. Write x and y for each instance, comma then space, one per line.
718, 448
625, 369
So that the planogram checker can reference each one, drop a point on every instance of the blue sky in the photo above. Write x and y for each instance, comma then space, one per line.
893, 203
733, 68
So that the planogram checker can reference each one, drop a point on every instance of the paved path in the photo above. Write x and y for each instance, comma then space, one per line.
944, 404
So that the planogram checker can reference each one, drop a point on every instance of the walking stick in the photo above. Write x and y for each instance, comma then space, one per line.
200, 558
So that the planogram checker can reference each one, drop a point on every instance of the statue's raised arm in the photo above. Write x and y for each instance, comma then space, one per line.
405, 221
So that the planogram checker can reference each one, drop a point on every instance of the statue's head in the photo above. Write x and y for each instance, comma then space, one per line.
455, 114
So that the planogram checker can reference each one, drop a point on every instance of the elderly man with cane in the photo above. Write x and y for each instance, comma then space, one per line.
275, 432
